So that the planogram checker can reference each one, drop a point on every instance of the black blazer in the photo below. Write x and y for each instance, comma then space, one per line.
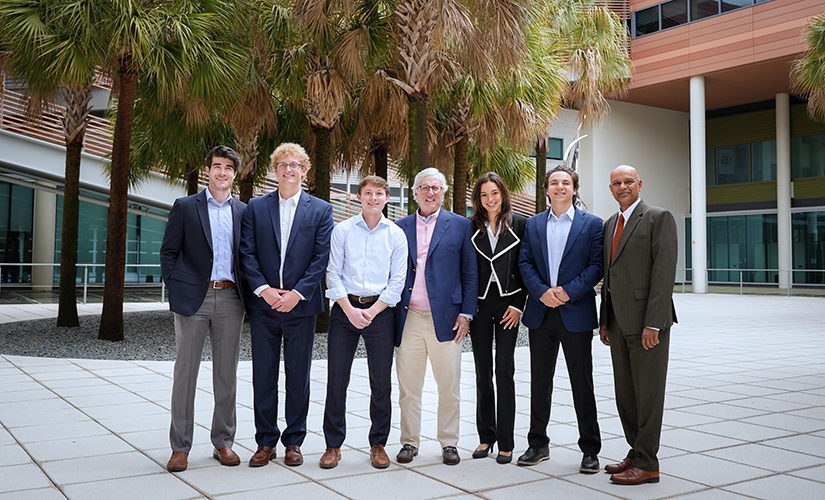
186, 252
503, 261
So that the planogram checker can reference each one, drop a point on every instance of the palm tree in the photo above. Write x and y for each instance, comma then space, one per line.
55, 58
166, 43
809, 69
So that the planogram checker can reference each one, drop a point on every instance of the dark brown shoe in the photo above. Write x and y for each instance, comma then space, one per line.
226, 456
293, 455
450, 455
178, 462
619, 467
635, 475
330, 458
406, 454
262, 456
378, 457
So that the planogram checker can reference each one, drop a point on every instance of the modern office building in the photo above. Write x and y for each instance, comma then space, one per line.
719, 139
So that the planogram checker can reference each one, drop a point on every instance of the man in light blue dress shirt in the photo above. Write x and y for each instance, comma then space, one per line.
366, 273
561, 262
199, 263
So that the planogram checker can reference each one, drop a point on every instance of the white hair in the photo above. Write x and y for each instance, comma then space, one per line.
426, 173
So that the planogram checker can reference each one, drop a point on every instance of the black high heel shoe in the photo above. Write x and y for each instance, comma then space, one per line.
504, 459
483, 453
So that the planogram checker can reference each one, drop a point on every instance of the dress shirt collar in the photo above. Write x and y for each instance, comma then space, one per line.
292, 200
360, 222
570, 213
211, 199
427, 219
627, 213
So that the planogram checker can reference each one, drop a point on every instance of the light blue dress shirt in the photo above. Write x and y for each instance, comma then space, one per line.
367, 262
220, 223
558, 228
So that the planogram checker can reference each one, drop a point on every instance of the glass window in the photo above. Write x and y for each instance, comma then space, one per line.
674, 13
555, 148
809, 246
700, 9
808, 156
732, 164
710, 171
763, 161
729, 5
91, 238
16, 212
746, 242
647, 20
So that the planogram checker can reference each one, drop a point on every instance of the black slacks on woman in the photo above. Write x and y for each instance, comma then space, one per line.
495, 422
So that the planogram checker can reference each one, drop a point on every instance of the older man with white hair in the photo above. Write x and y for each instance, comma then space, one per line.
433, 316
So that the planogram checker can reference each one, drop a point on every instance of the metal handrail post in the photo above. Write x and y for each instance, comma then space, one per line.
790, 278
741, 288
162, 291
85, 282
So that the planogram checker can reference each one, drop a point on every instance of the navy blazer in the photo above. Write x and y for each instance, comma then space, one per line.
451, 273
186, 252
582, 266
307, 250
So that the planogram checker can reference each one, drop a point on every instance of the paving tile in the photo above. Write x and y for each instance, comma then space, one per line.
161, 485
402, 480
692, 440
22, 477
803, 443
787, 422
39, 418
217, 479
779, 487
63, 430
742, 430
709, 471
50, 493
301, 490
767, 457
477, 475
813, 473
12, 454
544, 488
61, 449
83, 470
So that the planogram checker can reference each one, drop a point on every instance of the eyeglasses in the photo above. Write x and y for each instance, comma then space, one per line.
434, 189
284, 166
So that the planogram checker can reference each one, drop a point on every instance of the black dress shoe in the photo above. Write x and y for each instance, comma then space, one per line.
483, 453
590, 464
406, 454
534, 455
450, 455
504, 459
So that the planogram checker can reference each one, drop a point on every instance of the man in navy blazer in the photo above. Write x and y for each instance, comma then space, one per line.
199, 264
561, 262
437, 303
284, 253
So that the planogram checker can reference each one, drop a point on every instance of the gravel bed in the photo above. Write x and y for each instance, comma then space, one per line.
147, 336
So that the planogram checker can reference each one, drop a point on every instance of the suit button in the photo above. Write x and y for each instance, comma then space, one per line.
405, 307
410, 289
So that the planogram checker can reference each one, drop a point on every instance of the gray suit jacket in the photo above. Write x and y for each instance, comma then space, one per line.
643, 272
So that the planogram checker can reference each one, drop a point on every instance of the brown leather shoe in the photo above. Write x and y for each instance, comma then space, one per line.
262, 456
178, 462
619, 467
226, 456
330, 458
293, 455
406, 454
378, 457
635, 475
449, 455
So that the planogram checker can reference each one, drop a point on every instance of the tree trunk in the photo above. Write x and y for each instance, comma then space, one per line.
246, 187
323, 159
418, 156
192, 179
541, 169
246, 141
67, 307
111, 320
379, 156
460, 173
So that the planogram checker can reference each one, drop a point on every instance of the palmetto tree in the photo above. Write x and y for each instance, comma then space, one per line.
52, 48
809, 69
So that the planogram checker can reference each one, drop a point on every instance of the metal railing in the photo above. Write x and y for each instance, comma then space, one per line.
85, 283
788, 273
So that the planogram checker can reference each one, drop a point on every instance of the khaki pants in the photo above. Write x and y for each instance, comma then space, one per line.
418, 343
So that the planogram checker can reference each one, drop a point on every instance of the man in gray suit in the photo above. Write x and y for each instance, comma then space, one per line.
199, 263
640, 250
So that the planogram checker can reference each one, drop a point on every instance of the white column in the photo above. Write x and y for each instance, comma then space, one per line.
783, 187
43, 234
698, 203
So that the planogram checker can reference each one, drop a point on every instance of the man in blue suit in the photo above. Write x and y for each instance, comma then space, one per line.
437, 303
561, 262
199, 263
284, 253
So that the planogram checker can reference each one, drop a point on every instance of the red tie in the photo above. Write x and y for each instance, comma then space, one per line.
619, 229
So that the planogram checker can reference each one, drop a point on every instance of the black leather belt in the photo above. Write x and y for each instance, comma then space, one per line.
363, 300
221, 284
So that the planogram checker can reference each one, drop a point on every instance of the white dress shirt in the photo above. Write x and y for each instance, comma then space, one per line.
287, 210
367, 262
558, 228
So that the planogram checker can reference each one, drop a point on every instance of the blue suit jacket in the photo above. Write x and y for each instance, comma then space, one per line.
186, 252
582, 266
451, 273
307, 251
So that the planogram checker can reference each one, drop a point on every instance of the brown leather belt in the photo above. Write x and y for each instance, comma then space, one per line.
221, 284
363, 300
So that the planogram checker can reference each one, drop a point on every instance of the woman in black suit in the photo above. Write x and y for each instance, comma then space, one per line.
501, 298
